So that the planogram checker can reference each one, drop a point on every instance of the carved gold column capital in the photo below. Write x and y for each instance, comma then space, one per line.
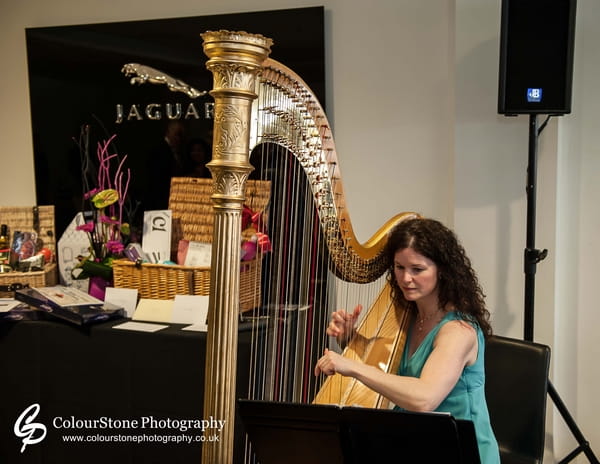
235, 60
237, 50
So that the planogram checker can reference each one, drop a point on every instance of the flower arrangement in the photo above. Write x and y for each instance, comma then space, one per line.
104, 225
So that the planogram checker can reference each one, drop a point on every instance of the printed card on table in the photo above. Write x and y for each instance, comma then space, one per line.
156, 237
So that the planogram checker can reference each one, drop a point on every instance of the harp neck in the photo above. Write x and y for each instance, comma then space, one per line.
290, 115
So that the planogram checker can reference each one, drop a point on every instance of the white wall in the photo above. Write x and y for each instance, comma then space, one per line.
412, 89
373, 55
582, 156
490, 209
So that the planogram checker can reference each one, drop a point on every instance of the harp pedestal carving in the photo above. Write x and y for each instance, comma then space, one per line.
235, 61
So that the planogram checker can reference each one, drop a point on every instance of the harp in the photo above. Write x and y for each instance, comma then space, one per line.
269, 125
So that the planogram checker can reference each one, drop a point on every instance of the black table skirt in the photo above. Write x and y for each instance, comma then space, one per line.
114, 376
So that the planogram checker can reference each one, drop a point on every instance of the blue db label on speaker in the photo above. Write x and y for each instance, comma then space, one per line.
534, 95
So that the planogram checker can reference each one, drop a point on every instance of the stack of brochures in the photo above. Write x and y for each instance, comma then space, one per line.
69, 304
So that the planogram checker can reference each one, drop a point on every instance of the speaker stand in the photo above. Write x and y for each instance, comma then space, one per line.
532, 257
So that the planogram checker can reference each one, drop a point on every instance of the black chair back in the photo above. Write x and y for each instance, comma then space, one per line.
516, 391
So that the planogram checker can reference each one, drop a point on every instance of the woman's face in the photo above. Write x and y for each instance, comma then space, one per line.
416, 275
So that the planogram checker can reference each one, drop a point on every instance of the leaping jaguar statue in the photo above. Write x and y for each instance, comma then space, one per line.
142, 74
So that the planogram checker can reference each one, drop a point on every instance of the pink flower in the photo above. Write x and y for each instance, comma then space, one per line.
87, 227
114, 247
108, 220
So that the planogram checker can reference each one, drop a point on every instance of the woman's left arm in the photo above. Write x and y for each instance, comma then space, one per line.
454, 348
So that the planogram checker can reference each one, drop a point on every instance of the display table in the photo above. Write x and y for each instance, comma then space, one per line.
140, 388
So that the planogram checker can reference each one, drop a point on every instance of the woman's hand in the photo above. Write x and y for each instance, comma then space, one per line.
342, 324
333, 363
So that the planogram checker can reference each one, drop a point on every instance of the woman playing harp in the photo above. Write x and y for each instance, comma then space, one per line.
309, 251
442, 366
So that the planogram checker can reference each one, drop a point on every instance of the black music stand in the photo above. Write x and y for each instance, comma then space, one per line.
301, 433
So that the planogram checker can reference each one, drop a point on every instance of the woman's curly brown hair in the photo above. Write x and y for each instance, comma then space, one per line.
458, 285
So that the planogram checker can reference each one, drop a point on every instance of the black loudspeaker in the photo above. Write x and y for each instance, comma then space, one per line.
536, 56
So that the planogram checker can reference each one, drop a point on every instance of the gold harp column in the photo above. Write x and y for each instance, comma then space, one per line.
235, 59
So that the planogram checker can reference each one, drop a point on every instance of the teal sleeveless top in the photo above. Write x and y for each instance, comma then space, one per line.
467, 399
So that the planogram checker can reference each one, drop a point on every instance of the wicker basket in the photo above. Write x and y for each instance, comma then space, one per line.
163, 282
192, 208
39, 219
193, 219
